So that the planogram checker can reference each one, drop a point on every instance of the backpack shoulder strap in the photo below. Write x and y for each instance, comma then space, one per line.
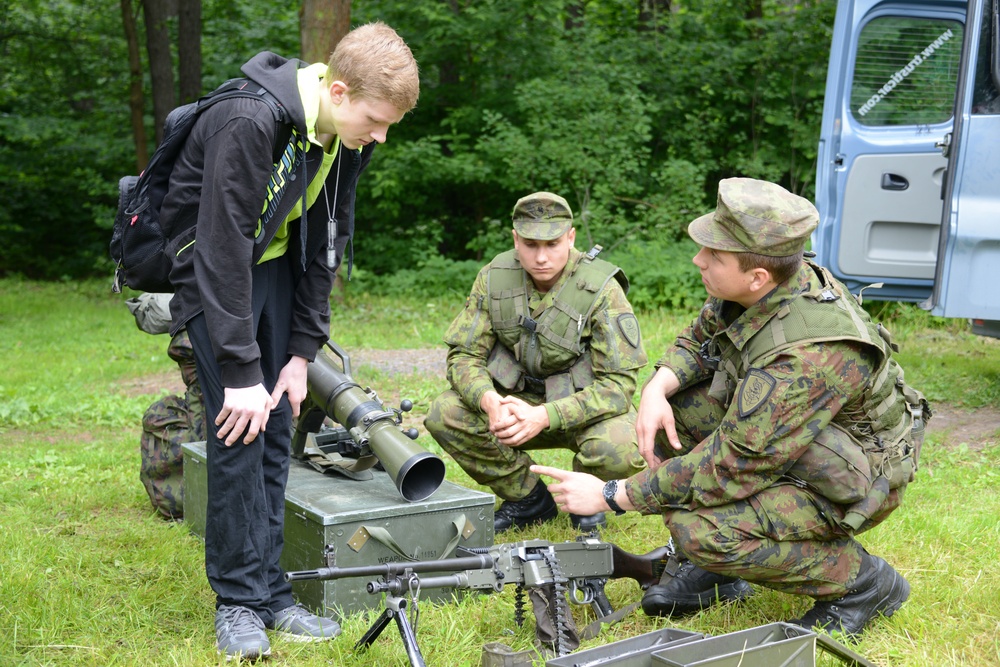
243, 87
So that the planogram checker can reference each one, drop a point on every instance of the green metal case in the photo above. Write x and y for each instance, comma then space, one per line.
631, 652
773, 645
332, 520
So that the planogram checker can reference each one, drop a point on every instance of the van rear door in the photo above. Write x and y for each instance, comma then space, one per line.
890, 95
968, 268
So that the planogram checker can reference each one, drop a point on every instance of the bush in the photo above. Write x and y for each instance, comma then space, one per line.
661, 275
435, 276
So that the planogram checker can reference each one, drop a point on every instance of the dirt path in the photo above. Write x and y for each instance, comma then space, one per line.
977, 428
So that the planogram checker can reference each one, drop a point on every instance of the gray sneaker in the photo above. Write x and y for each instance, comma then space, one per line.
301, 625
239, 633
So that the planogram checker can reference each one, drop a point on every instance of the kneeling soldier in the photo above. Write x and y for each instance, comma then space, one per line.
544, 355
777, 427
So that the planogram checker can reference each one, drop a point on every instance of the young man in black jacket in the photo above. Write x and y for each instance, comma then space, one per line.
253, 290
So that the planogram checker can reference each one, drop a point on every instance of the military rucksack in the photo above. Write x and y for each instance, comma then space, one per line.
137, 239
172, 420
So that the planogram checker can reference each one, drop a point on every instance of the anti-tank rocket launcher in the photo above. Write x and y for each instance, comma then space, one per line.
368, 434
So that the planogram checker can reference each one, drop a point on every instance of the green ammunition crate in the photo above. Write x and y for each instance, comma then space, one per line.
773, 645
335, 521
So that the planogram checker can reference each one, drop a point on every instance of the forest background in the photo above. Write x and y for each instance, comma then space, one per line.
631, 109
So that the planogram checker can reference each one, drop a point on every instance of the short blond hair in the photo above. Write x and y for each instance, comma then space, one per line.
376, 64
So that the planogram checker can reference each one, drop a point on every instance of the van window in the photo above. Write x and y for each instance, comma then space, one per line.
985, 97
906, 71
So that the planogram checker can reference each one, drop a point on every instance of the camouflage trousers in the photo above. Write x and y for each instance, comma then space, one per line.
785, 537
607, 449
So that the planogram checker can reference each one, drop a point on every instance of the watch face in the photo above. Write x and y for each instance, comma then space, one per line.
610, 490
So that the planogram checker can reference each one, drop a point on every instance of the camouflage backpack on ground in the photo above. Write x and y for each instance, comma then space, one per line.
171, 421
166, 426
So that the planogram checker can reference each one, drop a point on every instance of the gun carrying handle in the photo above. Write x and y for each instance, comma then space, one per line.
341, 354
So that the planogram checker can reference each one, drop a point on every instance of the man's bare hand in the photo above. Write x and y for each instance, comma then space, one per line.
577, 492
243, 409
655, 414
498, 414
292, 380
529, 421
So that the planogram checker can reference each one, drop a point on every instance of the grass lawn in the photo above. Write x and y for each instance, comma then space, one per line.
90, 576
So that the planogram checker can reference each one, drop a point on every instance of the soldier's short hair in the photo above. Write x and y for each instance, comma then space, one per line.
780, 268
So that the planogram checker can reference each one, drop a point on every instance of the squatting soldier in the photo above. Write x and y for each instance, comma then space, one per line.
788, 429
544, 355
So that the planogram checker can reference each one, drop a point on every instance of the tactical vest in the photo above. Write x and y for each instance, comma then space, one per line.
877, 454
533, 346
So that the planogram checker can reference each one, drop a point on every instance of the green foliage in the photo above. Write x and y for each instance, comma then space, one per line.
661, 275
582, 133
61, 147
633, 117
433, 276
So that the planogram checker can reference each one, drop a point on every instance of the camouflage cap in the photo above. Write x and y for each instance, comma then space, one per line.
542, 216
756, 216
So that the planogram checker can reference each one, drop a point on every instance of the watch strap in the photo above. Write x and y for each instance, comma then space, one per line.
610, 491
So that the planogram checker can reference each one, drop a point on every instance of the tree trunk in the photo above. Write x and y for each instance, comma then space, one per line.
189, 49
161, 68
323, 23
653, 13
574, 15
135, 100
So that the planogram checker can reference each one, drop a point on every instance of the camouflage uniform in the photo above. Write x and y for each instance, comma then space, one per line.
797, 428
509, 340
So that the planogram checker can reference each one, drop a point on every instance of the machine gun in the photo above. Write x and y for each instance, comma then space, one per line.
368, 434
580, 568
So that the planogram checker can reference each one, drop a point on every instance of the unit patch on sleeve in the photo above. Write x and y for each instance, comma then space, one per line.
754, 392
629, 327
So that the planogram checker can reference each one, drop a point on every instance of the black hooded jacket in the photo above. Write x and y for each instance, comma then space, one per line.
211, 210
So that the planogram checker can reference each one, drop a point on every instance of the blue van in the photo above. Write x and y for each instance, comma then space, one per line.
908, 171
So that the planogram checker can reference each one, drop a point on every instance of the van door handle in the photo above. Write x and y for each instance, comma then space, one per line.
894, 182
944, 145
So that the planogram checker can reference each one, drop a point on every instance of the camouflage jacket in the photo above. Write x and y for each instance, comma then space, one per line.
610, 337
801, 388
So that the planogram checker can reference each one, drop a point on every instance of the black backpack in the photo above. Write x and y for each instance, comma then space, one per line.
137, 239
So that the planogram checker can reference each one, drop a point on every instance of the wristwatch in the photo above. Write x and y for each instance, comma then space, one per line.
610, 491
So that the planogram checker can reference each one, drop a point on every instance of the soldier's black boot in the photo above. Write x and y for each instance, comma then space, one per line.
537, 507
691, 589
879, 589
588, 523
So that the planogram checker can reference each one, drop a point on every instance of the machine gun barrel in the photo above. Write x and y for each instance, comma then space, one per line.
396, 568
